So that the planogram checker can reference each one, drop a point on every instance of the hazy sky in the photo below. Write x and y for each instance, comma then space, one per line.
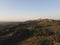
20, 10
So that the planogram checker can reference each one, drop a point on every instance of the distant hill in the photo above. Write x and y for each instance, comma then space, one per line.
32, 32
8, 23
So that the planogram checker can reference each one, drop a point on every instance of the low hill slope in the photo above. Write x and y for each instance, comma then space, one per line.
35, 32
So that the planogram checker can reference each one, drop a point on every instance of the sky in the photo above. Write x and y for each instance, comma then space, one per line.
22, 10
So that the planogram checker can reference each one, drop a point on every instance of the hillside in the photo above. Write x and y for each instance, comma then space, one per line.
32, 32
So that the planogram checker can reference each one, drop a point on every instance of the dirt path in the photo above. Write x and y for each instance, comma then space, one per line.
57, 44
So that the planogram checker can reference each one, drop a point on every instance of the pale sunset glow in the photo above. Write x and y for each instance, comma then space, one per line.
22, 10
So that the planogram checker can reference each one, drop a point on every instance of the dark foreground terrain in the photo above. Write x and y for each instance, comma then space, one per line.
36, 32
